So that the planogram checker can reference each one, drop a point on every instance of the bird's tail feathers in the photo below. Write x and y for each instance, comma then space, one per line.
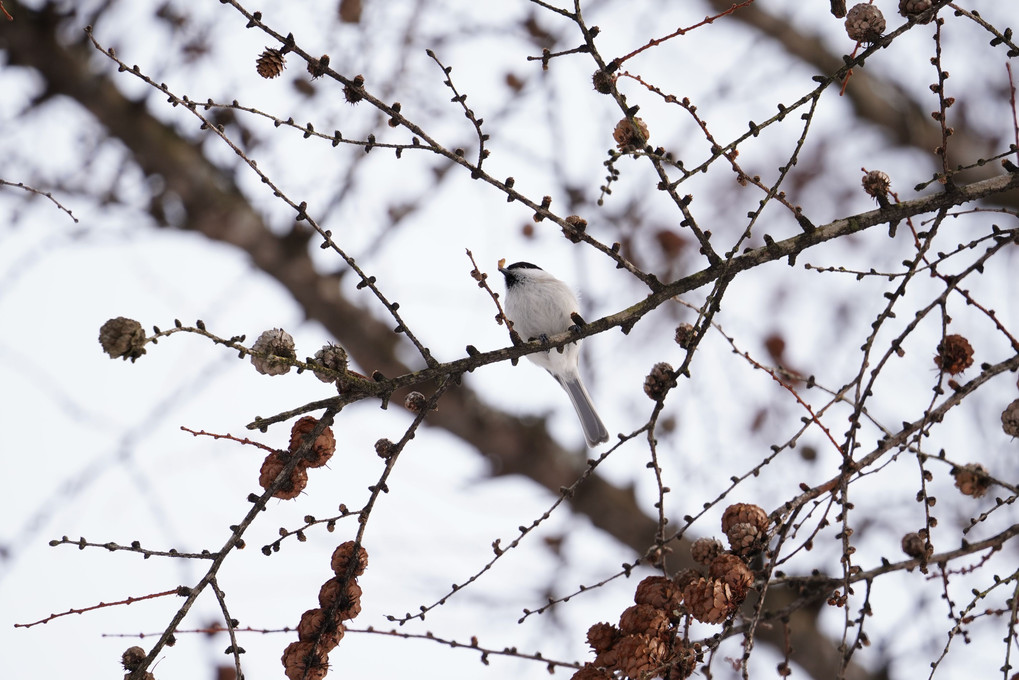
594, 429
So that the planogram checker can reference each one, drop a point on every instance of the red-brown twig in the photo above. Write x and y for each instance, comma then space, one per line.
181, 590
231, 437
682, 31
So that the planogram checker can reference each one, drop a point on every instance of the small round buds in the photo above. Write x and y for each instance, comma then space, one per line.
415, 402
318, 67
354, 91
575, 226
385, 449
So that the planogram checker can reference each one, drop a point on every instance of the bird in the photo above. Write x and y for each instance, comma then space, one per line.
539, 306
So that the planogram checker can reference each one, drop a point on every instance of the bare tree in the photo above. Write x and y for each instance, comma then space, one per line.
702, 176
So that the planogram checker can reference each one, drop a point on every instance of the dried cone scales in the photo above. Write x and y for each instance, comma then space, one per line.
321, 629
746, 527
646, 643
318, 625
270, 63
302, 661
709, 600
323, 447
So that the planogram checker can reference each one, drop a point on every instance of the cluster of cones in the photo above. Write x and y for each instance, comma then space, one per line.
647, 642
317, 456
321, 629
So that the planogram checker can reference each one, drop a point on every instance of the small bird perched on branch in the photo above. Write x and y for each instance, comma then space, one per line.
539, 306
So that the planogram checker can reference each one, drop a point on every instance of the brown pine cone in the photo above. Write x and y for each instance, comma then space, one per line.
341, 559
657, 591
745, 538
685, 578
606, 658
972, 479
317, 624
590, 671
734, 572
323, 448
272, 466
865, 23
641, 656
132, 658
601, 636
738, 513
270, 63
1010, 419
684, 661
709, 600
271, 352
123, 338
908, 8
332, 357
303, 662
705, 550
955, 354
349, 605
659, 381
630, 137
877, 184
643, 619
746, 527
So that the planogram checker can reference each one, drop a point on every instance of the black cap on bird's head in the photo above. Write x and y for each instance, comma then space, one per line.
511, 277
